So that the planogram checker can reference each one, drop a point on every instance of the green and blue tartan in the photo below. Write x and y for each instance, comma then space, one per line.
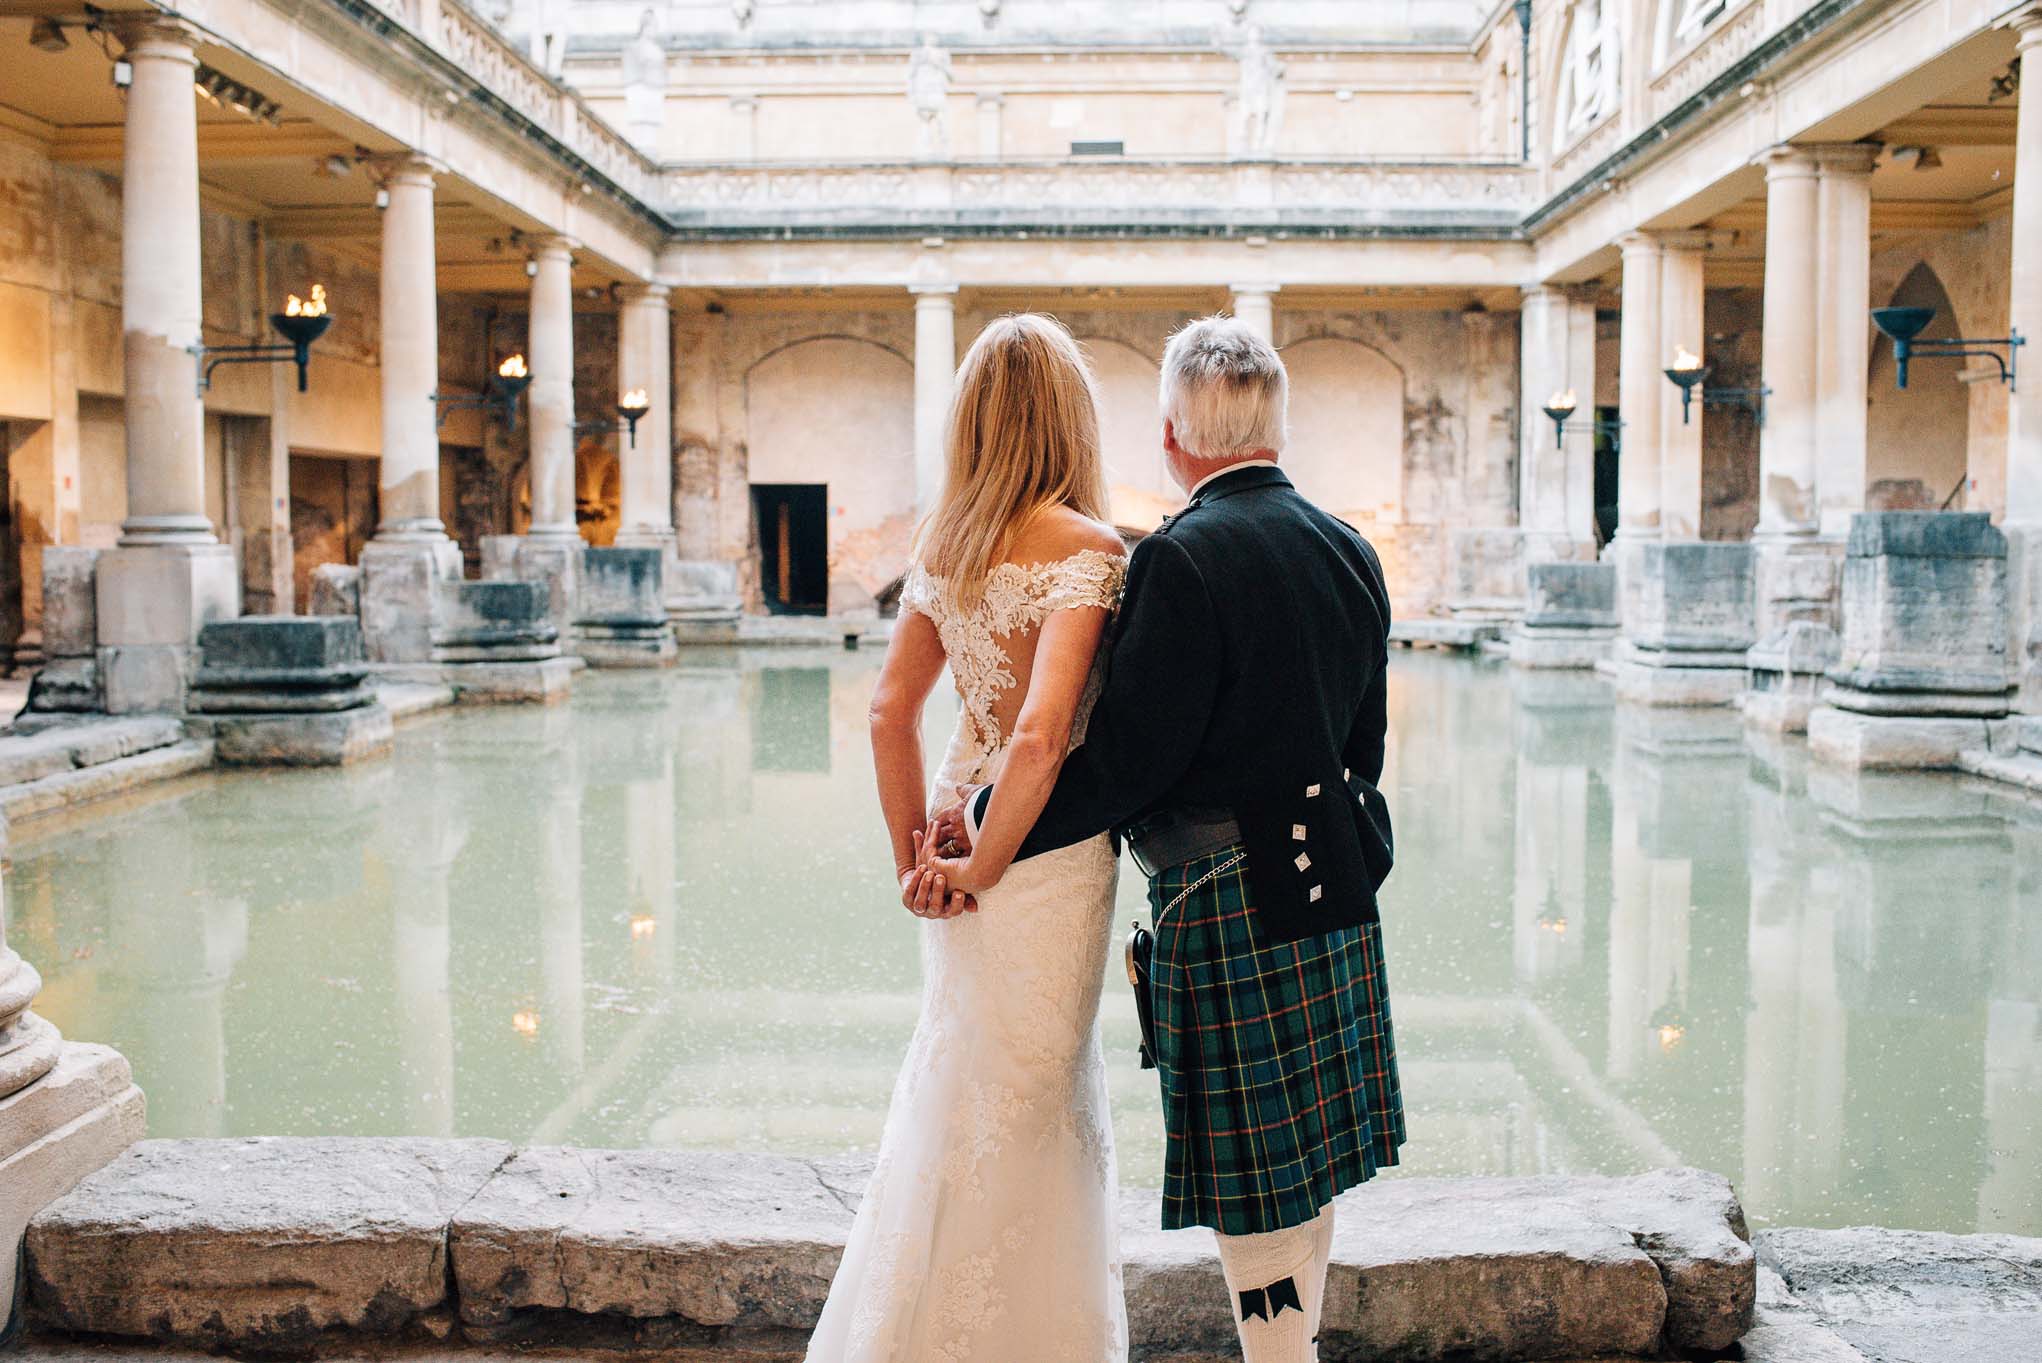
1278, 1067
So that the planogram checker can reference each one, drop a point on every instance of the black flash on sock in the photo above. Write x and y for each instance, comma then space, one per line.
1268, 1302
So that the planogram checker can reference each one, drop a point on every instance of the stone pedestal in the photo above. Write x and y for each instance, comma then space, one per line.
69, 678
1786, 674
1487, 567
399, 585
1687, 621
65, 1109
703, 602
496, 642
1570, 616
1924, 661
287, 690
622, 619
152, 600
551, 561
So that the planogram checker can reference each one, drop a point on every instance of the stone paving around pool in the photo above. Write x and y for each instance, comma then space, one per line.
290, 1245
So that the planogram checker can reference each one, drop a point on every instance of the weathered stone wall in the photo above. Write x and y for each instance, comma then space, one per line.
1939, 431
1404, 422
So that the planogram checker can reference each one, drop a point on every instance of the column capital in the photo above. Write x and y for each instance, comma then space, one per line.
645, 295
2027, 22
934, 295
1641, 243
1847, 158
405, 168
147, 33
552, 246
1787, 161
1254, 290
1688, 240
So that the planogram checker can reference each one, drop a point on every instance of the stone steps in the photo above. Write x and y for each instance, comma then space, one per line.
1438, 632
69, 763
290, 1245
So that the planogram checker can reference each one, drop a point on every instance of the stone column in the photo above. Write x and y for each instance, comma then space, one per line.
644, 344
1641, 385
551, 395
1255, 304
935, 375
1680, 430
1843, 333
403, 567
170, 574
1787, 466
1556, 478
2024, 407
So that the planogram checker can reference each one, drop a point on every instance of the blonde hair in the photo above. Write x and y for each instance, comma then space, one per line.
1023, 436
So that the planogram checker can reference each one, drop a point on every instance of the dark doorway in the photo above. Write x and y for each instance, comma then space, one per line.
794, 569
1607, 455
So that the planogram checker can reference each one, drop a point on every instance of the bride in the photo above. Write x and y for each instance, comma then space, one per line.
988, 1231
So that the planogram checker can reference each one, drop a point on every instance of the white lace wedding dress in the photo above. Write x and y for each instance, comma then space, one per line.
988, 1232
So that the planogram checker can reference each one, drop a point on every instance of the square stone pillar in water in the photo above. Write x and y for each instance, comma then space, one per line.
399, 587
152, 600
1570, 616
621, 620
703, 601
1688, 608
1923, 662
69, 679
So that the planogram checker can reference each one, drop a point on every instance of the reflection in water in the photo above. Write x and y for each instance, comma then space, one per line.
664, 915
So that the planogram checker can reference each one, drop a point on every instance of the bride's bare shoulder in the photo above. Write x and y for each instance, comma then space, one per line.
1059, 532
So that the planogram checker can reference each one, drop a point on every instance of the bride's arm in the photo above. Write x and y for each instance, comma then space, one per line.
914, 660
1042, 739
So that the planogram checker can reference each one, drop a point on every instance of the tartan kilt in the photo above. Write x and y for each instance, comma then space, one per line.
1278, 1067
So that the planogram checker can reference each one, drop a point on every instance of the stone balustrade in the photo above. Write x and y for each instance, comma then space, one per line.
287, 1244
1365, 195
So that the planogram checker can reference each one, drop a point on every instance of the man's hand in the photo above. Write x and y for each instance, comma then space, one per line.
926, 892
949, 835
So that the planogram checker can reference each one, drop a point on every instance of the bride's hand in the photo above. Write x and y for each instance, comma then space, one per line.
927, 893
962, 873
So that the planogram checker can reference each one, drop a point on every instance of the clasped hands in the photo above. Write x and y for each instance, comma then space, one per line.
943, 883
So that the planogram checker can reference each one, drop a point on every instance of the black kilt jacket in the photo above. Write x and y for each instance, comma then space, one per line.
1246, 672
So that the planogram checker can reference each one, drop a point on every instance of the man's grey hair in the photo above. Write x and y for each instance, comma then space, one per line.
1224, 391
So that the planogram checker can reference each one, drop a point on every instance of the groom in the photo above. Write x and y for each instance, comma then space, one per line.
1237, 746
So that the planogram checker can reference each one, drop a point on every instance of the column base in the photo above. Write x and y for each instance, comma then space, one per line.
1561, 648
1788, 670
152, 600
2024, 607
703, 602
398, 587
552, 560
1847, 738
71, 1121
627, 645
1797, 578
1683, 679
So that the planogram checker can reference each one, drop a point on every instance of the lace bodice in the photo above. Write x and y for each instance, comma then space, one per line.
991, 647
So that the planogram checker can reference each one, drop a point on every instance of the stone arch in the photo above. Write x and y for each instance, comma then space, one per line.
1346, 449
1678, 25
1130, 433
1917, 440
840, 411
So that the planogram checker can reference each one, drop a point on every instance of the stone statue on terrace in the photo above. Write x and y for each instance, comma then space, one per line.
929, 93
1260, 98
644, 84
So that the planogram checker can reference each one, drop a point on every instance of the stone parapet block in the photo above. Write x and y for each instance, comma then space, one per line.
302, 1243
622, 587
1925, 616
1687, 595
70, 602
257, 1243
328, 738
1894, 742
495, 620
1570, 595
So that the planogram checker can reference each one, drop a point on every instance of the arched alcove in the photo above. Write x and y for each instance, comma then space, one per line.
838, 413
1130, 433
1346, 447
598, 492
1917, 438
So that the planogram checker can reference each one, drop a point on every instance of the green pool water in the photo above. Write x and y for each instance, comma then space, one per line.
663, 915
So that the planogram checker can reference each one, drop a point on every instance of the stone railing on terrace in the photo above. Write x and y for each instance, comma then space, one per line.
1731, 37
487, 56
1157, 194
